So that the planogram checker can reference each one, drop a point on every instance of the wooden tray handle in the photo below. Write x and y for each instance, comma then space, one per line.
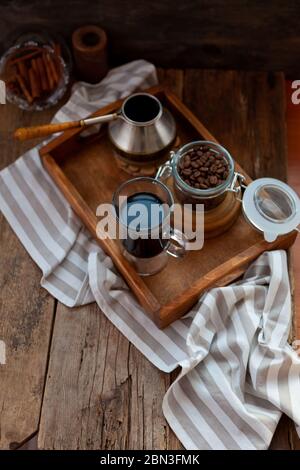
25, 133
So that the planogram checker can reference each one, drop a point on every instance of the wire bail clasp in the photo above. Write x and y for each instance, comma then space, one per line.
237, 184
165, 170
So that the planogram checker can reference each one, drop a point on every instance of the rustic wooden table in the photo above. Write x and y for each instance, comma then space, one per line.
71, 378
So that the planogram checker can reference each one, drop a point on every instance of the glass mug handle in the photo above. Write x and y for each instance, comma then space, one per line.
177, 245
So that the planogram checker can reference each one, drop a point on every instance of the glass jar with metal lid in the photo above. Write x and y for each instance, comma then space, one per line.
269, 205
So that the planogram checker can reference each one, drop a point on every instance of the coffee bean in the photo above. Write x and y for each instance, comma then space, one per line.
213, 180
203, 168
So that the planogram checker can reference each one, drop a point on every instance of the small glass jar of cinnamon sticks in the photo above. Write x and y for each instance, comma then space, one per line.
35, 73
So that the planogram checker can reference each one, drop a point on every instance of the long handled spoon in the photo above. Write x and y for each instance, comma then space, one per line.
26, 133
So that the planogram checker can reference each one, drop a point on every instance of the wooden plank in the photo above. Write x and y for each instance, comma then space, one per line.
281, 439
240, 111
245, 111
207, 34
101, 393
294, 438
293, 130
26, 313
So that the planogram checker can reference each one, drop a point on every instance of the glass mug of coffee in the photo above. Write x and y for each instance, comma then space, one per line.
143, 209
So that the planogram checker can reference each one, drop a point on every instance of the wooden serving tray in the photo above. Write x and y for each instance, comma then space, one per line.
85, 171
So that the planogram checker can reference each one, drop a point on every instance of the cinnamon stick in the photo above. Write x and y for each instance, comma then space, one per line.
24, 88
37, 73
53, 68
23, 71
34, 84
24, 57
43, 74
34, 71
48, 72
34, 65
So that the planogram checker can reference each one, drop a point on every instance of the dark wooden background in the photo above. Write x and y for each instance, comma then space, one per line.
244, 34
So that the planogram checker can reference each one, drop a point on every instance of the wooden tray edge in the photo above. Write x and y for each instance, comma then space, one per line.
135, 282
222, 275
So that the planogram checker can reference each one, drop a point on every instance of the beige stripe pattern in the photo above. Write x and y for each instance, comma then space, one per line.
238, 372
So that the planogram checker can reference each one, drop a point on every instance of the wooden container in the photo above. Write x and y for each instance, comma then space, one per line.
84, 170
90, 53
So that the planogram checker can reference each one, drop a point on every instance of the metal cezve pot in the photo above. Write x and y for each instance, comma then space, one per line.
142, 127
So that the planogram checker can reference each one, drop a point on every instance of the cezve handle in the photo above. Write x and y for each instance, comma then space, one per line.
25, 133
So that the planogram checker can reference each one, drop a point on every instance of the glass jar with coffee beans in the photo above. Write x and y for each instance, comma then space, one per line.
202, 173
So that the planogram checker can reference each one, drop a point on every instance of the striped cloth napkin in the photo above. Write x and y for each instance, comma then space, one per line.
238, 372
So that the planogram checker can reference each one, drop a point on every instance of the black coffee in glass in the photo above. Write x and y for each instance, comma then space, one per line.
143, 214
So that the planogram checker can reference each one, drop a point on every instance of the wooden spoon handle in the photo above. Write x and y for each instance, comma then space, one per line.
25, 133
